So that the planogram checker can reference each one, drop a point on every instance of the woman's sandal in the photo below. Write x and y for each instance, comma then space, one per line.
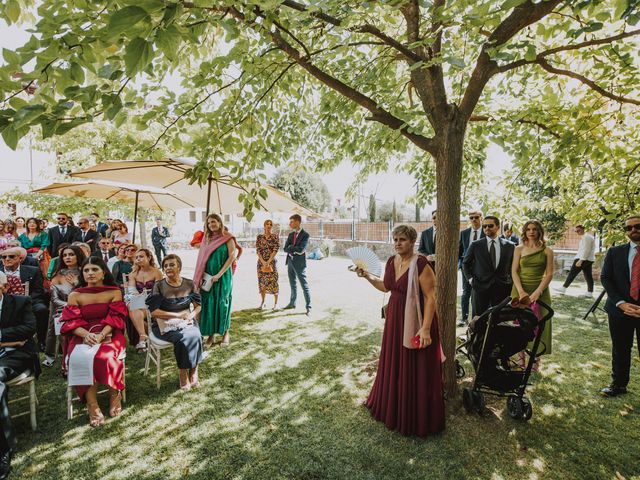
96, 418
141, 347
115, 409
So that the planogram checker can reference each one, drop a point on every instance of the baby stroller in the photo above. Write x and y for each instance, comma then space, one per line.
492, 338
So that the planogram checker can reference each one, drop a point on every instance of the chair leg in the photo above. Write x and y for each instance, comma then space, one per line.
69, 403
158, 354
147, 359
33, 400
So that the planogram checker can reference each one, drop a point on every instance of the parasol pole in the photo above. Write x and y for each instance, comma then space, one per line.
209, 180
135, 216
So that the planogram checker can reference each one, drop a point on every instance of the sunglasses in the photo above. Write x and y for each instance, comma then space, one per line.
10, 257
488, 226
636, 227
474, 217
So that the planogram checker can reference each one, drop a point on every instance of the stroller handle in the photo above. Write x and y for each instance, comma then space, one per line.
550, 311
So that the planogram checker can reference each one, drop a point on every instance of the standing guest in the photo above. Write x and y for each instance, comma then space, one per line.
267, 246
175, 306
3, 238
125, 266
467, 236
62, 233
95, 315
239, 251
54, 261
407, 394
101, 227
20, 226
10, 229
427, 245
215, 257
122, 235
159, 235
18, 354
532, 272
22, 274
487, 266
104, 249
296, 262
114, 226
141, 279
582, 262
34, 240
85, 234
620, 277
64, 280
44, 224
121, 254
509, 235
92, 227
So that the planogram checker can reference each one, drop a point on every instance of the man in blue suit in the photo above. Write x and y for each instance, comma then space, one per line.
467, 236
427, 246
620, 277
296, 262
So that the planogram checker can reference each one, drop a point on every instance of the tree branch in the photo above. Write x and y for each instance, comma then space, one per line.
542, 126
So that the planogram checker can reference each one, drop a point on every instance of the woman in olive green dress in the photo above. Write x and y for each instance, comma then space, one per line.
216, 255
532, 271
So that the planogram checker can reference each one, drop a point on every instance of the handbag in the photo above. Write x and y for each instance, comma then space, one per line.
266, 269
207, 282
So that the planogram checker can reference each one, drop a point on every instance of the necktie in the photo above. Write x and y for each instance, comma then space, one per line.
475, 235
492, 254
84, 234
63, 231
295, 237
634, 291
106, 256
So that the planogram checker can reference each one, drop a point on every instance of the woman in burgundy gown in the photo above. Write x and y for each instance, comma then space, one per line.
95, 314
407, 394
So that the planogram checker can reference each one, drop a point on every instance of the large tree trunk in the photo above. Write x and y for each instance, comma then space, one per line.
448, 180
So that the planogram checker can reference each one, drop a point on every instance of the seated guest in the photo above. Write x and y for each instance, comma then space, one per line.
65, 279
121, 235
21, 274
175, 307
121, 253
86, 248
25, 259
105, 249
18, 353
142, 279
95, 315
125, 266
54, 261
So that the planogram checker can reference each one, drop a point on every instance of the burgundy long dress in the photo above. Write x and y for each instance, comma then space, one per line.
107, 368
407, 394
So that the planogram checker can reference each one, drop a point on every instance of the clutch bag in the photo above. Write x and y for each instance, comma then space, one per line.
266, 269
207, 282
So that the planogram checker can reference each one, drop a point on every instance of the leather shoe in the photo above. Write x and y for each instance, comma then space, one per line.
289, 307
613, 390
308, 311
5, 465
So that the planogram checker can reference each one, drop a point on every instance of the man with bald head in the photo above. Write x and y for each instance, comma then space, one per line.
11, 266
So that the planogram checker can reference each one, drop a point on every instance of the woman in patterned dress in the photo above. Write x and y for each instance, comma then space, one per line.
267, 246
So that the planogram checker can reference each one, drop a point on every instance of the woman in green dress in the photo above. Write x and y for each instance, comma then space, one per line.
34, 240
532, 271
216, 255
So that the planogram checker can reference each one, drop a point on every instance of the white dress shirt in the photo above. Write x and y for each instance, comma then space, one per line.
587, 248
478, 236
497, 240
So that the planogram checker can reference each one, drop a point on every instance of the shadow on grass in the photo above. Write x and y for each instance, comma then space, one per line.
285, 401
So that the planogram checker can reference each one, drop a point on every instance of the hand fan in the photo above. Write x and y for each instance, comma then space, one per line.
366, 259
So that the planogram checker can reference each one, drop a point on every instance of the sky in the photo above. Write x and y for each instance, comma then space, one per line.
387, 187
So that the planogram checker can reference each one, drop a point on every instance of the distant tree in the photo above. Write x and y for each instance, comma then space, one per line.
305, 188
372, 208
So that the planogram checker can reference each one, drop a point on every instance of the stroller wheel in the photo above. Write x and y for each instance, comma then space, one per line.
519, 408
467, 400
527, 409
478, 402
459, 370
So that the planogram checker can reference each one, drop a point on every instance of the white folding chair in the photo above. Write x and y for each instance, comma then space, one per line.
154, 351
71, 398
26, 378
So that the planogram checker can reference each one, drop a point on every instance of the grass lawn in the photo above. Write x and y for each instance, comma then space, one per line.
284, 401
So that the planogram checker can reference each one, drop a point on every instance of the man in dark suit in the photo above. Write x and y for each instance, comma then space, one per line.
39, 298
427, 246
61, 233
101, 227
104, 249
85, 234
159, 235
296, 262
487, 266
509, 235
620, 277
467, 236
18, 354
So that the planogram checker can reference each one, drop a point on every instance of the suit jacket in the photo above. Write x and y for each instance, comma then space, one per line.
157, 239
18, 323
34, 277
513, 239
615, 276
427, 244
102, 228
477, 265
91, 238
98, 253
30, 262
465, 241
55, 239
295, 252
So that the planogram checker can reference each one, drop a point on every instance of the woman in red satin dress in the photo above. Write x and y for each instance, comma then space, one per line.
95, 314
407, 394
